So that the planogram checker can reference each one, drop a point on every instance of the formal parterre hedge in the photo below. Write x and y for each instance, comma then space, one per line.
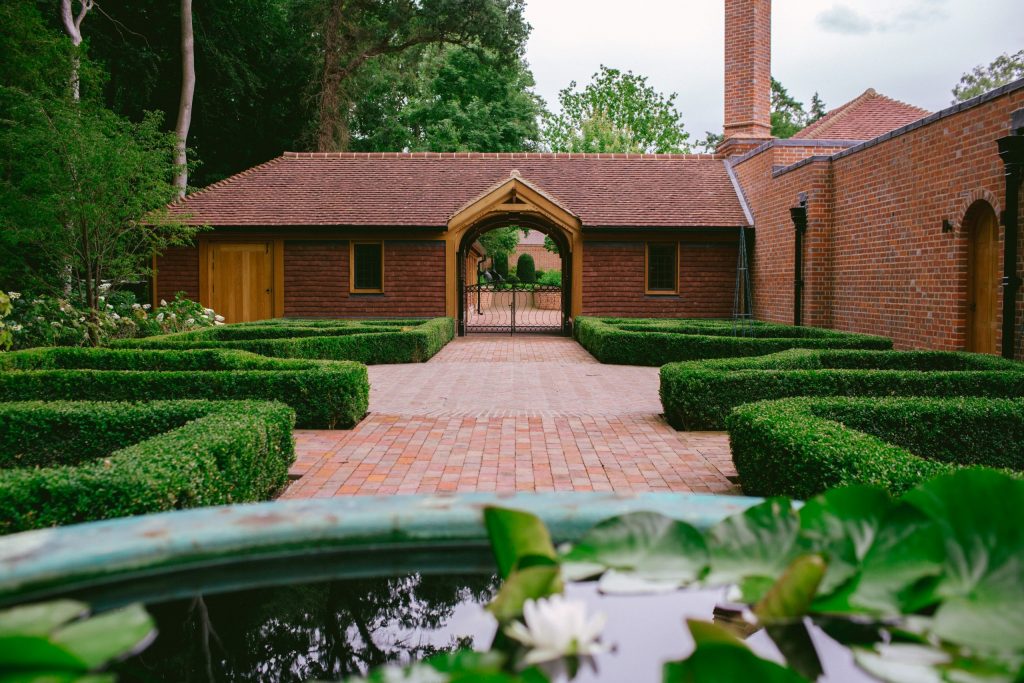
367, 341
699, 395
324, 394
63, 462
801, 447
656, 342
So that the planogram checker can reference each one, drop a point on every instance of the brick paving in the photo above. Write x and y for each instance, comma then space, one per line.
504, 414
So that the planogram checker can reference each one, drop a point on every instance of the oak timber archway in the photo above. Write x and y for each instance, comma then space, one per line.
515, 202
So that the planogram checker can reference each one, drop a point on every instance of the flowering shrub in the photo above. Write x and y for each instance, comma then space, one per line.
52, 321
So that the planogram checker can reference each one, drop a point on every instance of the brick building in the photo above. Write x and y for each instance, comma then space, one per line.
880, 218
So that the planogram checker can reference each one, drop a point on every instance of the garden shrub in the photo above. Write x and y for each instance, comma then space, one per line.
67, 461
367, 341
803, 446
551, 277
525, 269
499, 264
324, 394
699, 395
656, 342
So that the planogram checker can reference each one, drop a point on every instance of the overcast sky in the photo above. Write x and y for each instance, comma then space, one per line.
912, 50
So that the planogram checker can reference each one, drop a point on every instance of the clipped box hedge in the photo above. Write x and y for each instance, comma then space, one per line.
801, 447
699, 395
324, 394
64, 462
656, 342
368, 341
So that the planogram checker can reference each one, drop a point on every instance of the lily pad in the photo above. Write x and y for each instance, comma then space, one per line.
100, 639
530, 583
39, 619
720, 658
518, 539
645, 545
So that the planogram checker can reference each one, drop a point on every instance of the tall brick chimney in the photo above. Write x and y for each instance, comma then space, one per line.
748, 72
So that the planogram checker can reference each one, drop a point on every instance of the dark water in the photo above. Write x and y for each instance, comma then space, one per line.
332, 629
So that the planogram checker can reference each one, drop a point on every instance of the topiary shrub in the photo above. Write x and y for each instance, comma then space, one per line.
499, 263
67, 462
699, 395
656, 342
803, 446
324, 394
525, 270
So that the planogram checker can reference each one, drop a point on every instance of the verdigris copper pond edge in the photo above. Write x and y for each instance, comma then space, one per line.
190, 551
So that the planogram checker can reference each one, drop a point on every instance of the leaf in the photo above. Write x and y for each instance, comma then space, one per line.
759, 542
38, 654
902, 663
530, 583
102, 638
707, 633
796, 645
720, 662
39, 619
977, 513
899, 571
626, 583
645, 544
790, 597
518, 539
842, 524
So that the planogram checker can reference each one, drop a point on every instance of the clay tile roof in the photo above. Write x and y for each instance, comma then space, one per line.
863, 118
425, 189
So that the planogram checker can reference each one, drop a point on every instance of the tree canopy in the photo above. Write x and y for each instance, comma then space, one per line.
1004, 69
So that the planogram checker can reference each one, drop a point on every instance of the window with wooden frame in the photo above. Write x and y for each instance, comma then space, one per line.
662, 266
366, 267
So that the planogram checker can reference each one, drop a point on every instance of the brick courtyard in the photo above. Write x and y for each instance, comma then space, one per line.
500, 413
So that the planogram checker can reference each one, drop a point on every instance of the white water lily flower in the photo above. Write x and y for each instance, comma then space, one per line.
556, 628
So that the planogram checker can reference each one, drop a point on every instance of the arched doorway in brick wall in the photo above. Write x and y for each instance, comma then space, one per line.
982, 229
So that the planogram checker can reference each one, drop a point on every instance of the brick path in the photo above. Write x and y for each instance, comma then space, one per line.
497, 413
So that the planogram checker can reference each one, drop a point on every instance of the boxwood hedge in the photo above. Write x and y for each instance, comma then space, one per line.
656, 342
367, 341
699, 395
71, 461
324, 394
803, 446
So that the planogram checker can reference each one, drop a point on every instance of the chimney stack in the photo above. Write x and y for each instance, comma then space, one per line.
748, 72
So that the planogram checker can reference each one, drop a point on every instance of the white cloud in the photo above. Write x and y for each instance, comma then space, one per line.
846, 20
901, 17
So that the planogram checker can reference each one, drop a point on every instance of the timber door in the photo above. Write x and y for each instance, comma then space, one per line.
242, 280
983, 281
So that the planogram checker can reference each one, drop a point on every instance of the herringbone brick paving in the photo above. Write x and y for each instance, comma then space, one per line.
505, 414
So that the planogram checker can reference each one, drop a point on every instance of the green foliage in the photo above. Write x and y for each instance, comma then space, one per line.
818, 109
500, 242
366, 341
6, 338
214, 452
500, 262
659, 341
550, 277
788, 115
549, 245
324, 394
699, 395
616, 112
525, 269
1004, 69
803, 446
55, 641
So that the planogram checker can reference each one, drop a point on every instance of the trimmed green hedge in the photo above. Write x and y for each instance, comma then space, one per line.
699, 395
656, 342
74, 461
803, 446
324, 394
368, 341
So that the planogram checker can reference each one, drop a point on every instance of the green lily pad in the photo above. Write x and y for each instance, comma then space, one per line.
37, 653
646, 545
39, 619
530, 583
100, 639
721, 658
518, 539
978, 515
841, 524
757, 544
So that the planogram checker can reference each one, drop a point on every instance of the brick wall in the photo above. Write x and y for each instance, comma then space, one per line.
316, 281
613, 280
178, 271
876, 258
542, 258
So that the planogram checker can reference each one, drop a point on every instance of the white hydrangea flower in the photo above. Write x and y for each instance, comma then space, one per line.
146, 307
190, 321
104, 286
218, 318
556, 627
115, 316
208, 311
15, 327
136, 307
40, 318
55, 323
171, 316
14, 295
217, 322
81, 319
163, 303
159, 317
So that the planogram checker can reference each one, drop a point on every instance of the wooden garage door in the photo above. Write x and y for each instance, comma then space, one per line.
242, 280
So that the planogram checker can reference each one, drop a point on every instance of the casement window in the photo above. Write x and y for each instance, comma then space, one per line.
366, 265
662, 268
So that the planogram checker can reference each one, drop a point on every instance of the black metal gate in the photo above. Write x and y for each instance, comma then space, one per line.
510, 308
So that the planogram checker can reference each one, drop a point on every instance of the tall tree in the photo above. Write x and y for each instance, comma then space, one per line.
1004, 69
354, 32
72, 22
788, 115
188, 87
818, 109
616, 112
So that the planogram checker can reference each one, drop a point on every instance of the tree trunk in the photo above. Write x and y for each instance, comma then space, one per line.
332, 114
188, 86
73, 27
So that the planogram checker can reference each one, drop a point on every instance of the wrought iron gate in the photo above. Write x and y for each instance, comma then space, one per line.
511, 308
